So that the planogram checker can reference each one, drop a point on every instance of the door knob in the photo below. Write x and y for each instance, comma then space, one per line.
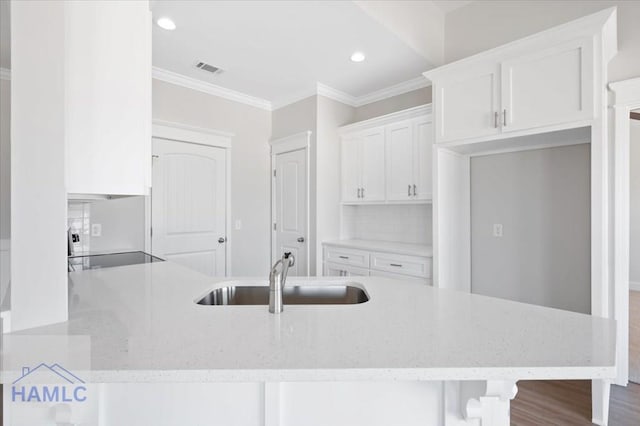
222, 240
301, 239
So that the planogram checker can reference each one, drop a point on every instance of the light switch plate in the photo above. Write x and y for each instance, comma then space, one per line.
497, 230
96, 230
238, 224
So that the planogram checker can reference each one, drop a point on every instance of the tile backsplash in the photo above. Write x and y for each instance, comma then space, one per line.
407, 223
79, 220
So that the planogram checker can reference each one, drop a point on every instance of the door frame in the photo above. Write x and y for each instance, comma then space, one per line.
295, 142
626, 98
183, 133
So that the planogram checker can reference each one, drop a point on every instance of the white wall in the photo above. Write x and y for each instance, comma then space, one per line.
395, 222
250, 178
5, 186
396, 103
482, 25
121, 220
542, 199
634, 255
38, 192
331, 115
5, 159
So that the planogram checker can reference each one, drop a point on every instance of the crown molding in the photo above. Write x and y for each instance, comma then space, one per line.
212, 89
391, 91
354, 101
335, 94
320, 89
5, 74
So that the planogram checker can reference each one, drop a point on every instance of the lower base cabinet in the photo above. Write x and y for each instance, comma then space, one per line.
346, 262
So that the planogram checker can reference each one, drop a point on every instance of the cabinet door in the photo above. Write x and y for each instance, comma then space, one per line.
372, 174
108, 97
422, 158
351, 169
466, 105
400, 153
335, 270
548, 87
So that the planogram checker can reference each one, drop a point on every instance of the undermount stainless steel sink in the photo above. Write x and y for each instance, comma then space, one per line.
293, 295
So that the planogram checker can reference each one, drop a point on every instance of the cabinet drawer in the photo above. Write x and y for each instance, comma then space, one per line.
346, 256
405, 265
400, 277
338, 270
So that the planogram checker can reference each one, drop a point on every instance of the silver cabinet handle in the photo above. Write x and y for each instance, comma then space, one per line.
362, 192
495, 119
222, 240
343, 257
414, 190
504, 118
358, 192
396, 265
301, 239
408, 190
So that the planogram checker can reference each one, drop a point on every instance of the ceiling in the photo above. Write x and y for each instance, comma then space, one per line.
277, 50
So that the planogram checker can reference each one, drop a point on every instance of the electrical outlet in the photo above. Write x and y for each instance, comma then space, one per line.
96, 230
497, 230
238, 224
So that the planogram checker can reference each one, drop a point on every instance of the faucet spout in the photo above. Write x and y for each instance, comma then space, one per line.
277, 281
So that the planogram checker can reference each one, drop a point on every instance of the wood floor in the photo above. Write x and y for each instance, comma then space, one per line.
634, 336
568, 403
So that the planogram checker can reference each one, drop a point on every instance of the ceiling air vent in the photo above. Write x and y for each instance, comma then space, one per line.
206, 67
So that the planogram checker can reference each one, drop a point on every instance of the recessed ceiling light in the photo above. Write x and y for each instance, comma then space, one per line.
357, 57
166, 23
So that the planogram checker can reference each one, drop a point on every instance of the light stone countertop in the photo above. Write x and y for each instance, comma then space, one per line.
384, 246
145, 327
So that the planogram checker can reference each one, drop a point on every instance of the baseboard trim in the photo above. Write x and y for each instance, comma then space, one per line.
634, 285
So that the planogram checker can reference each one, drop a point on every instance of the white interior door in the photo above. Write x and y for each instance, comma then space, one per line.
188, 207
291, 208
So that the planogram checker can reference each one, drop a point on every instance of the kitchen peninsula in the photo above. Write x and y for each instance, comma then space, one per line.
444, 357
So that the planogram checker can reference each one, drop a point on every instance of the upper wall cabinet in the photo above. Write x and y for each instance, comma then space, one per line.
363, 161
408, 160
468, 104
388, 159
548, 87
108, 97
542, 83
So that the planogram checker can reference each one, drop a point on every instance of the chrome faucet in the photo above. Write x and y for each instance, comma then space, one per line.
277, 279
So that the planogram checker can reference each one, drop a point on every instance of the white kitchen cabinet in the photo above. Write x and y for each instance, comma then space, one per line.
516, 92
363, 167
373, 165
388, 159
351, 169
369, 260
400, 152
408, 160
108, 97
468, 103
548, 87
337, 270
423, 158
